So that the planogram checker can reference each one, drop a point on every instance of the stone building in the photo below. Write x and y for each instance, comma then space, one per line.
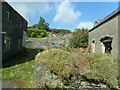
13, 30
104, 37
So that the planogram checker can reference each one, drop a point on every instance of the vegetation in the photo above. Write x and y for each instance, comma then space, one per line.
40, 30
64, 63
58, 61
59, 31
36, 33
41, 25
79, 38
20, 68
103, 68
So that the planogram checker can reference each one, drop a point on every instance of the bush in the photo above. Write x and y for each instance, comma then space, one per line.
36, 33
79, 38
33, 34
59, 31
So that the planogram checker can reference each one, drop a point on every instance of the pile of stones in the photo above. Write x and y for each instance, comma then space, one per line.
44, 78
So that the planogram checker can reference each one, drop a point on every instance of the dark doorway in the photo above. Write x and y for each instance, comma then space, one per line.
107, 42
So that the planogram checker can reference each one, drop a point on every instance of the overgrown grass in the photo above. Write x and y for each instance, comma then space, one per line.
58, 61
20, 68
103, 68
62, 62
65, 61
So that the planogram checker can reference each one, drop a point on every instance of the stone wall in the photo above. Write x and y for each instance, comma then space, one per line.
109, 27
47, 43
43, 78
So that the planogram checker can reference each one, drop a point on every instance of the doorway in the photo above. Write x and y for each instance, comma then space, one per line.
107, 44
93, 46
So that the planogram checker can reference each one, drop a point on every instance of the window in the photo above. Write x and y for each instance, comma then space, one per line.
6, 42
7, 15
21, 24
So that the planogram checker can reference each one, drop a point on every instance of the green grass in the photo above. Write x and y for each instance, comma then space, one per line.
21, 73
62, 62
20, 68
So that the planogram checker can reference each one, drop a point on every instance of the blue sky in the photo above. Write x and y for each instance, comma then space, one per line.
65, 15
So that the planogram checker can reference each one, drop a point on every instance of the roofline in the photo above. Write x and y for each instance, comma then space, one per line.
14, 10
106, 18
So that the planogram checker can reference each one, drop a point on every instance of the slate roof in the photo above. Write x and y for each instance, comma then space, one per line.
3, 1
96, 22
107, 18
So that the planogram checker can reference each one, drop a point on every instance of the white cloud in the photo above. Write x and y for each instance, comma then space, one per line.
85, 25
31, 8
65, 13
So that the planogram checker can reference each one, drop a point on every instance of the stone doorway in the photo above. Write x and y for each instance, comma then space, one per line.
107, 43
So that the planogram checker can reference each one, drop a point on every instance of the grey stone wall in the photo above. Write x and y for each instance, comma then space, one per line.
109, 27
48, 42
42, 77
0, 32
119, 36
14, 28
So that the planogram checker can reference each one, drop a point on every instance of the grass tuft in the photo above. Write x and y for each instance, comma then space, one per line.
103, 68
20, 68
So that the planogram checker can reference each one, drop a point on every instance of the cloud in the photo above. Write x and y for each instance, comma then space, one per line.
85, 25
32, 8
65, 13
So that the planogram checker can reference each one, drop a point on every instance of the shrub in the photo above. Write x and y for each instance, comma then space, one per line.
33, 32
59, 31
79, 38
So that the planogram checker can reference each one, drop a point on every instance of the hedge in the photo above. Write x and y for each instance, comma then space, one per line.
36, 33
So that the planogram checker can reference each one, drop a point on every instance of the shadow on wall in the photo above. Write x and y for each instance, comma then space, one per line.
27, 55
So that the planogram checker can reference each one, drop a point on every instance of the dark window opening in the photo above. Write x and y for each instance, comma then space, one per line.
21, 23
7, 15
6, 42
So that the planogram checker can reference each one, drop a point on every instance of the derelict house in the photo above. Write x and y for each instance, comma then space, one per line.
13, 27
104, 37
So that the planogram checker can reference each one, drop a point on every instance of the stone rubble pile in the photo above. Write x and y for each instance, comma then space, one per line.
44, 78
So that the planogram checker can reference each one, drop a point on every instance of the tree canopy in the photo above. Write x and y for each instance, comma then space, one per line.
43, 24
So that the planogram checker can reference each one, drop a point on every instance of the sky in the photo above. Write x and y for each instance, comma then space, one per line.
65, 14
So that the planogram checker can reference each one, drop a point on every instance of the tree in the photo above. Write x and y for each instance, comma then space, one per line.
79, 38
43, 24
